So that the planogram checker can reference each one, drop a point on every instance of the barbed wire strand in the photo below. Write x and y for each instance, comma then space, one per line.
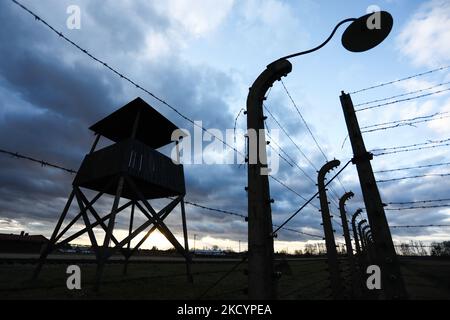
419, 207
404, 123
422, 226
415, 177
311, 199
289, 137
402, 79
402, 100
41, 162
412, 168
413, 145
418, 201
294, 104
412, 149
402, 95
291, 161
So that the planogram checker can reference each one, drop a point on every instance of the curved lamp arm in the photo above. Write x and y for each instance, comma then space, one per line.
323, 44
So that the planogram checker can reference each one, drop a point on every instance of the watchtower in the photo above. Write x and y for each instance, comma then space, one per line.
132, 169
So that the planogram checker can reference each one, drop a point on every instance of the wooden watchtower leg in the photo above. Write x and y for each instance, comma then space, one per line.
103, 251
186, 243
49, 246
130, 230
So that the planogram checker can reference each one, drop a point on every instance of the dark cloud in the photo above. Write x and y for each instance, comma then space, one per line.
48, 104
126, 31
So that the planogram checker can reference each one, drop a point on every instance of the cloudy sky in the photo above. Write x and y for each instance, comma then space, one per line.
202, 56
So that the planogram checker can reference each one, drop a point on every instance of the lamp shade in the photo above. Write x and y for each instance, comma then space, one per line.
368, 31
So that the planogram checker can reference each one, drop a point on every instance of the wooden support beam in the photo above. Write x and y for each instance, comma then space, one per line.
49, 247
87, 223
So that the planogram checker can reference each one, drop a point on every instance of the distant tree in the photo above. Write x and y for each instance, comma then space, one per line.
440, 249
419, 248
341, 248
405, 249
310, 249
298, 252
446, 245
436, 249
321, 248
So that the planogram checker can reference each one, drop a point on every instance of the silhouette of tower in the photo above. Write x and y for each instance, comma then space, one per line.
129, 169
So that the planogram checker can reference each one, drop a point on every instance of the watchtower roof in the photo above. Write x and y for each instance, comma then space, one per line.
153, 128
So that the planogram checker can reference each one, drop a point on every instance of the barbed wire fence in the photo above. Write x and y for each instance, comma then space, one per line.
400, 177
307, 164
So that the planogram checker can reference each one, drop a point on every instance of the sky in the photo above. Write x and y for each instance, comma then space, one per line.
202, 56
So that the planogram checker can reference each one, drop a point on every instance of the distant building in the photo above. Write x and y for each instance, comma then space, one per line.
21, 243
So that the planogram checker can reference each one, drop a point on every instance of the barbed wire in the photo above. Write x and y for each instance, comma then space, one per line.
338, 223
402, 95
284, 159
418, 207
235, 124
294, 104
312, 198
334, 200
123, 76
304, 121
412, 168
415, 177
41, 162
418, 201
405, 122
293, 191
245, 217
422, 226
402, 79
413, 147
301, 232
310, 203
215, 209
289, 137
290, 189
402, 100
292, 162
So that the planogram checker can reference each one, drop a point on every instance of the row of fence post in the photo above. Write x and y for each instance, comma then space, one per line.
262, 280
372, 237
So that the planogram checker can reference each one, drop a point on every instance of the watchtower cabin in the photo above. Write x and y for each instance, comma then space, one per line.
137, 130
132, 169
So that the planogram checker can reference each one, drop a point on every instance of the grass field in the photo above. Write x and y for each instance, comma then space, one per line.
425, 279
